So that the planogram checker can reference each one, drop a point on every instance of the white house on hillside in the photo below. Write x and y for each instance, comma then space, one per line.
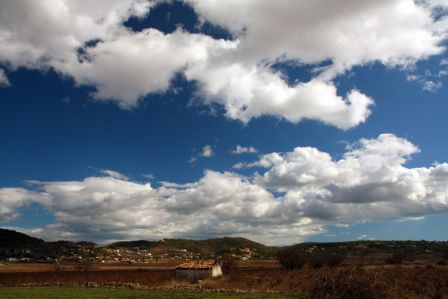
196, 270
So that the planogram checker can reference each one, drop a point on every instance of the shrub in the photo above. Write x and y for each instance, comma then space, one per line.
441, 263
334, 260
84, 266
316, 261
56, 266
228, 264
445, 256
291, 258
396, 258
350, 283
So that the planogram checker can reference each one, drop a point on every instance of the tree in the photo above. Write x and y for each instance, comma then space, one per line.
228, 263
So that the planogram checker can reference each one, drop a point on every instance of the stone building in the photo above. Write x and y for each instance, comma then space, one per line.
196, 270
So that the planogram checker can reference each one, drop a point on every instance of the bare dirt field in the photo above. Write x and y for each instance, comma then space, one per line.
344, 281
50, 267
169, 265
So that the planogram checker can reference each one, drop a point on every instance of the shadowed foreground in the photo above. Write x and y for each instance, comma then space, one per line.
90, 293
386, 281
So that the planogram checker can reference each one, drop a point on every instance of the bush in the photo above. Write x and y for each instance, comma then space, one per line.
84, 266
396, 258
445, 256
291, 258
56, 266
316, 261
442, 263
350, 283
334, 260
228, 264
331, 260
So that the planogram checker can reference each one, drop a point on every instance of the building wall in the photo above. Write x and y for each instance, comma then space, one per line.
216, 271
193, 274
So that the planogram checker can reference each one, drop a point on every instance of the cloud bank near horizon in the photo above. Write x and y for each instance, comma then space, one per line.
92, 46
291, 196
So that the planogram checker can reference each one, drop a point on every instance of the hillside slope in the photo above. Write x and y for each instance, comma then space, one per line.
207, 247
14, 239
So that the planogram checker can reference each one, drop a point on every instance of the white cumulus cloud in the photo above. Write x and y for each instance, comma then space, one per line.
347, 32
90, 44
297, 194
244, 150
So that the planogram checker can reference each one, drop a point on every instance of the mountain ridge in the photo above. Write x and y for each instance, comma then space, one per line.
12, 241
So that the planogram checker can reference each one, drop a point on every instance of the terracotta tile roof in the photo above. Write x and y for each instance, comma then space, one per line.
208, 264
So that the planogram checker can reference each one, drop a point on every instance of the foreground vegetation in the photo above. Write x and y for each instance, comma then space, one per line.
97, 293
343, 281
360, 269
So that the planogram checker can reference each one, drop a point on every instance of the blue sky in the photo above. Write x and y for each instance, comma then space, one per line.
83, 137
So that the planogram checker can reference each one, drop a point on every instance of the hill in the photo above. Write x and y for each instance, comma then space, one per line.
17, 244
142, 244
14, 243
361, 248
14, 239
213, 246
209, 247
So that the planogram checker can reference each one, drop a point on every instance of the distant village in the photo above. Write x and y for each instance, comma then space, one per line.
92, 253
18, 247
138, 255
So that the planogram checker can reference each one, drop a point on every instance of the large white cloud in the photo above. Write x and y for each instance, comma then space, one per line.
370, 182
130, 65
366, 162
247, 92
12, 199
46, 33
347, 32
124, 66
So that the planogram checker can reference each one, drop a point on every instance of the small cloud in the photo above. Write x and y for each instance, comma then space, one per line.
347, 145
114, 174
176, 185
365, 237
412, 77
244, 150
207, 151
4, 81
432, 86
443, 73
66, 100
239, 165
192, 160
148, 176
429, 79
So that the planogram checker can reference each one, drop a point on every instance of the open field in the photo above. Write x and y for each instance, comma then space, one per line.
50, 267
343, 281
101, 293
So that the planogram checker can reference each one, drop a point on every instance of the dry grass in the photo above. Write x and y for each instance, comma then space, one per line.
346, 281
343, 282
141, 277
